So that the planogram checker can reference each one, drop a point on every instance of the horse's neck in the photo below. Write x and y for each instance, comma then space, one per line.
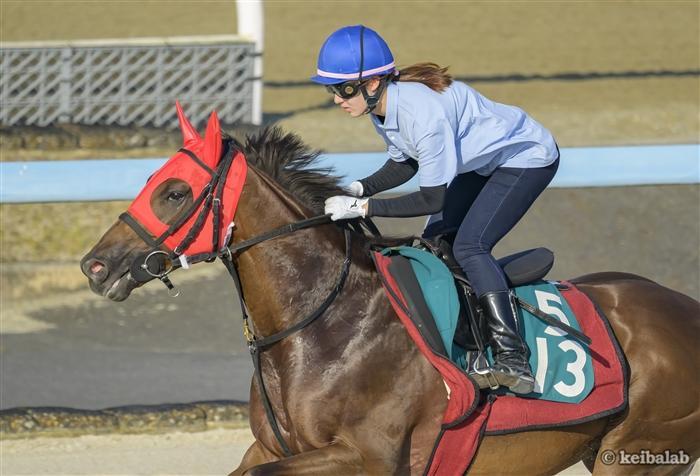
286, 278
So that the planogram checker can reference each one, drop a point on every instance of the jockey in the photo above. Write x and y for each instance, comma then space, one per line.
480, 165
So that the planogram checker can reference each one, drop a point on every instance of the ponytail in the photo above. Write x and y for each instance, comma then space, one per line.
430, 74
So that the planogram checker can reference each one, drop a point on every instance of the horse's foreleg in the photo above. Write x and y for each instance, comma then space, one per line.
336, 459
255, 456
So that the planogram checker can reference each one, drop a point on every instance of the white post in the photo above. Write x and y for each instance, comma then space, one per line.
251, 24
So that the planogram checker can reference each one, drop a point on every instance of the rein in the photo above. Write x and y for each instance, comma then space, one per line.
166, 263
256, 344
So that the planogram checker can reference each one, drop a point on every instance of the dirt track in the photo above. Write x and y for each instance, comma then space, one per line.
210, 452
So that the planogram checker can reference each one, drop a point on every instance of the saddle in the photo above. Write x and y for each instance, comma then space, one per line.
469, 336
444, 308
520, 268
580, 371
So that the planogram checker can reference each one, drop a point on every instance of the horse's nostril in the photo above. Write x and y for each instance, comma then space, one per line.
95, 270
96, 267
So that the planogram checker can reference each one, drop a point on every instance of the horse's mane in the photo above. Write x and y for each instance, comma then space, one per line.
285, 158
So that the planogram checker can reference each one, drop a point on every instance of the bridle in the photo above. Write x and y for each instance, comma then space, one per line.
157, 263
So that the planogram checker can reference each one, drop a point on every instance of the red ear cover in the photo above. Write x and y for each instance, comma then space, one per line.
212, 141
190, 137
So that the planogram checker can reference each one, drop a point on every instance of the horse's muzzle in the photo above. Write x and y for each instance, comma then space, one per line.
111, 282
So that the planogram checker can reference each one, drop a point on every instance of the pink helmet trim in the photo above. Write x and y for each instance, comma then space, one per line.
381, 69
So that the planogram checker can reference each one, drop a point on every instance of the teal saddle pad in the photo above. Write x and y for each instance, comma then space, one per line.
561, 364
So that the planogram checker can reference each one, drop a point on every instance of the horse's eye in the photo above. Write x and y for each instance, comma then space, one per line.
176, 196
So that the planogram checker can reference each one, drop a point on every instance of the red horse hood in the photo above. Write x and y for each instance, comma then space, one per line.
196, 168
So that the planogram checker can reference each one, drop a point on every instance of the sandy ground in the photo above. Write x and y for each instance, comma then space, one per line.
209, 452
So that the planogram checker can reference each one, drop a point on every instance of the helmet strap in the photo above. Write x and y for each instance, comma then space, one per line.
365, 95
373, 99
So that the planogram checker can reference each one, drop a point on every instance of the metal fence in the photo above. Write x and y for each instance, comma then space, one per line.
126, 82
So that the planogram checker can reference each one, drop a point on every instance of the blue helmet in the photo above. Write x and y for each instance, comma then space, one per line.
353, 52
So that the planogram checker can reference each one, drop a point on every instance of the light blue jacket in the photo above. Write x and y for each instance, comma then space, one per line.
458, 131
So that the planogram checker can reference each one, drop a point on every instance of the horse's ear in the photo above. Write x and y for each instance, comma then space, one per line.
212, 141
190, 137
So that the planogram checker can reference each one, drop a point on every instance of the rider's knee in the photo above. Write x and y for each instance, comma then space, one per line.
464, 250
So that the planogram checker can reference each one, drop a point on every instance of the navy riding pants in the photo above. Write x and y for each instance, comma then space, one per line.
482, 210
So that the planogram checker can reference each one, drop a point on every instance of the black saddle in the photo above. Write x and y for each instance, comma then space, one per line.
520, 268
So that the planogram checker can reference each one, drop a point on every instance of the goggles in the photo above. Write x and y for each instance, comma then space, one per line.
346, 90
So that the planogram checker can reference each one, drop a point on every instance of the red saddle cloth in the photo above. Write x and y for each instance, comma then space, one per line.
469, 416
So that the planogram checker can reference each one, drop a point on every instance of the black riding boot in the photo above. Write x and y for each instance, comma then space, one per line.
510, 353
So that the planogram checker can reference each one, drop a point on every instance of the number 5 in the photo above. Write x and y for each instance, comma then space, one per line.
543, 302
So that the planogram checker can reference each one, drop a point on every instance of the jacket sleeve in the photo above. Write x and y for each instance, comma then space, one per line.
392, 174
427, 201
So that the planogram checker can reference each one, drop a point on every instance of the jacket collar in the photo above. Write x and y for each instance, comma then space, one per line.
392, 108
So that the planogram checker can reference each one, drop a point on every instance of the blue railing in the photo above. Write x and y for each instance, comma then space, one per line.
121, 179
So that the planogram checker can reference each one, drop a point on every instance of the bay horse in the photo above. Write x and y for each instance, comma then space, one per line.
351, 392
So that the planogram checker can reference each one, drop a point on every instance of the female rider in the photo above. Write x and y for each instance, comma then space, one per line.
480, 164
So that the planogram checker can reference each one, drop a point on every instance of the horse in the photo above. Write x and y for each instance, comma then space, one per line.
350, 392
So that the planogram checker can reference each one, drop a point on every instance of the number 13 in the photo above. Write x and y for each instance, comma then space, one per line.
575, 368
